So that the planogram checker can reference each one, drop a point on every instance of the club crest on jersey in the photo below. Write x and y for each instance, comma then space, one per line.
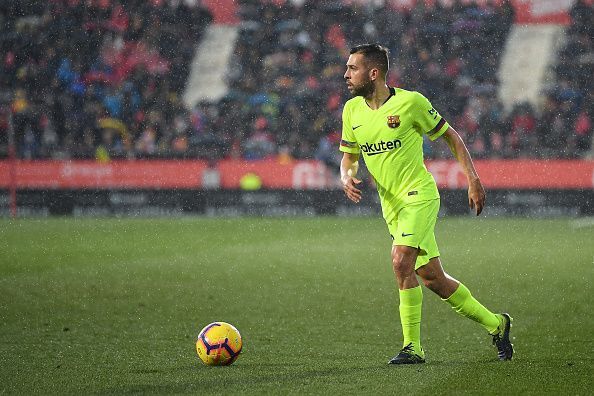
394, 121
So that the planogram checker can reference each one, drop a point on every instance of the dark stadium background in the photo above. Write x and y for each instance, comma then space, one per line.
95, 116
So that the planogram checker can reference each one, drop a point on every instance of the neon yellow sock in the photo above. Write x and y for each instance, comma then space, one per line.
466, 305
411, 302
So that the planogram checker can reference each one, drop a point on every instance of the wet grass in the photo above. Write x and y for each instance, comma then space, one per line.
114, 306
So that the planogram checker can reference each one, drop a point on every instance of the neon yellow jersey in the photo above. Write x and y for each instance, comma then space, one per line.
391, 141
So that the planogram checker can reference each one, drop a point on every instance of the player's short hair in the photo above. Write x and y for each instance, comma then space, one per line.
375, 54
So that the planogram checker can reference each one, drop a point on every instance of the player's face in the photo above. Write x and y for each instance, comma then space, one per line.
358, 76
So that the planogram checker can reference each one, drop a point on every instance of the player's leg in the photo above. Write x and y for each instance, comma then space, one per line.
462, 301
411, 302
413, 222
436, 280
457, 295
403, 264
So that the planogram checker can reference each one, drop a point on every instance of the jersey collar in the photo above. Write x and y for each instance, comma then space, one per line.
392, 93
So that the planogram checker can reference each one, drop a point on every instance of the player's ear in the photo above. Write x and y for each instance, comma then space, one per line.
373, 73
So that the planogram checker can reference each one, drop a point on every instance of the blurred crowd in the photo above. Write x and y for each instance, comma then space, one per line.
565, 125
290, 60
103, 78
97, 78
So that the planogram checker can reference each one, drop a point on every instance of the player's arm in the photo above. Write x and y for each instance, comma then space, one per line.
348, 170
350, 158
476, 192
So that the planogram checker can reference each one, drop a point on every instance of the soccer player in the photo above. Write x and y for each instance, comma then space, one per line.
387, 125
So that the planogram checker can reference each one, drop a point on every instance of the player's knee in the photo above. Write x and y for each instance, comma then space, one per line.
439, 285
432, 284
403, 264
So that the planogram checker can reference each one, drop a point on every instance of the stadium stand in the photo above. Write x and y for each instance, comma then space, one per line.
290, 61
566, 122
98, 78
105, 78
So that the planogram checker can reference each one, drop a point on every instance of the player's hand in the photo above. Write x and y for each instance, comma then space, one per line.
349, 186
476, 196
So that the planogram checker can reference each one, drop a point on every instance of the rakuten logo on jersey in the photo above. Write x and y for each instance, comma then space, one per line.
380, 147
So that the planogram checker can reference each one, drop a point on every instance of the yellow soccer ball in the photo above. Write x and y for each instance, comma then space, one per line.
219, 344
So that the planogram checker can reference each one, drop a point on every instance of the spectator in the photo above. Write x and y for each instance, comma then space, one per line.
522, 136
581, 139
260, 144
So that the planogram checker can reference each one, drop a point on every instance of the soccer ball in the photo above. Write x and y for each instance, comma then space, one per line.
219, 344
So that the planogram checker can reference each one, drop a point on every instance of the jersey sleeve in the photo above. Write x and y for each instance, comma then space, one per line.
348, 143
427, 119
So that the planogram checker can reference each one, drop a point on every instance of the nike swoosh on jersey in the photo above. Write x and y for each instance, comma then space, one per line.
357, 126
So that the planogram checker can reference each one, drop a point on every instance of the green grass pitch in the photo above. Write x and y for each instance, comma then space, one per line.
113, 306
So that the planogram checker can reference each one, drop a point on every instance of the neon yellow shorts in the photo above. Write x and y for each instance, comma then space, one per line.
414, 226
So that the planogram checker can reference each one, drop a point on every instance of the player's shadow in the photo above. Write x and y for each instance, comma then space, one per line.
206, 383
292, 373
163, 388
